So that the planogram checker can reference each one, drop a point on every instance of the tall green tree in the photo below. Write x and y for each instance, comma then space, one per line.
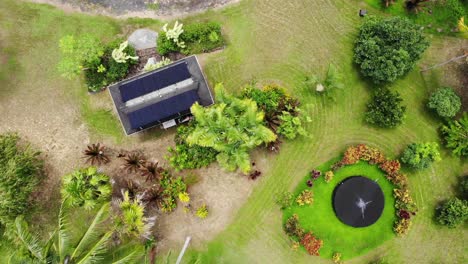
388, 48
445, 102
63, 246
232, 127
456, 135
421, 155
386, 109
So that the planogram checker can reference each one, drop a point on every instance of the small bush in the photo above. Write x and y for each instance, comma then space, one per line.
20, 172
105, 71
463, 187
402, 226
185, 156
292, 227
184, 197
386, 109
329, 176
453, 212
420, 156
305, 198
445, 102
291, 126
171, 188
284, 199
456, 136
311, 244
86, 187
336, 258
197, 37
202, 212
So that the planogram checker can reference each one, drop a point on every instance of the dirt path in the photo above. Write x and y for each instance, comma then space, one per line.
157, 9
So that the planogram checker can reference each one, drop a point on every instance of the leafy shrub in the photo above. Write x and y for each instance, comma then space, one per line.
105, 70
184, 197
311, 244
269, 98
390, 167
131, 220
197, 38
388, 48
77, 52
403, 200
456, 136
332, 82
291, 126
292, 227
336, 258
232, 127
453, 212
445, 102
420, 156
284, 199
329, 176
171, 189
305, 198
20, 172
185, 156
86, 187
386, 109
402, 226
202, 212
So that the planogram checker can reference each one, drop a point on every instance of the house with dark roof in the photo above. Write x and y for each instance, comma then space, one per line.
162, 97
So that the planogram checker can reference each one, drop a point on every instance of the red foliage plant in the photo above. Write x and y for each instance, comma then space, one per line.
312, 244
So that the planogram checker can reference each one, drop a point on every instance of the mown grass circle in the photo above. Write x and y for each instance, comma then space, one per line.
320, 218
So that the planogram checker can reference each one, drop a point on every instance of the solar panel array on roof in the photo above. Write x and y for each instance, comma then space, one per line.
164, 109
153, 82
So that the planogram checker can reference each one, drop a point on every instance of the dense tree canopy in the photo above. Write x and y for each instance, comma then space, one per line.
421, 155
456, 136
232, 127
453, 212
386, 109
445, 102
388, 48
20, 172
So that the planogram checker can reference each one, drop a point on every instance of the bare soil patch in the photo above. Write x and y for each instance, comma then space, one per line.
160, 9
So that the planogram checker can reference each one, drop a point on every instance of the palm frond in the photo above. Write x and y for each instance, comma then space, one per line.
28, 240
96, 253
131, 257
93, 232
63, 233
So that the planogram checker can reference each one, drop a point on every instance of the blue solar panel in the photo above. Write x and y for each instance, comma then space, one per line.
153, 114
155, 81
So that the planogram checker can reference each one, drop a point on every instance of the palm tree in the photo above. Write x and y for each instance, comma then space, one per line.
133, 162
95, 154
152, 171
92, 246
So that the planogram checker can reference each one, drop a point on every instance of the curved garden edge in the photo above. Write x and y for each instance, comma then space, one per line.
319, 218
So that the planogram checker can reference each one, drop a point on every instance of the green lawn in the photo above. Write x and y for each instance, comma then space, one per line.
321, 220
269, 41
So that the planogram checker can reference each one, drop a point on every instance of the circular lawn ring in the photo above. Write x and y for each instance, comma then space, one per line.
358, 201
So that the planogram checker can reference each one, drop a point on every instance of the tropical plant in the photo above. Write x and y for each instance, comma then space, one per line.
63, 246
456, 135
76, 52
292, 227
312, 244
174, 33
284, 199
185, 156
184, 197
119, 54
202, 212
452, 212
379, 56
86, 187
332, 81
386, 109
445, 102
291, 126
95, 154
130, 220
153, 66
20, 172
402, 226
329, 176
420, 156
305, 198
171, 188
232, 127
151, 171
133, 162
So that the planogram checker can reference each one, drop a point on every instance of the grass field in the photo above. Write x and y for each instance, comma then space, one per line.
269, 41
321, 220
